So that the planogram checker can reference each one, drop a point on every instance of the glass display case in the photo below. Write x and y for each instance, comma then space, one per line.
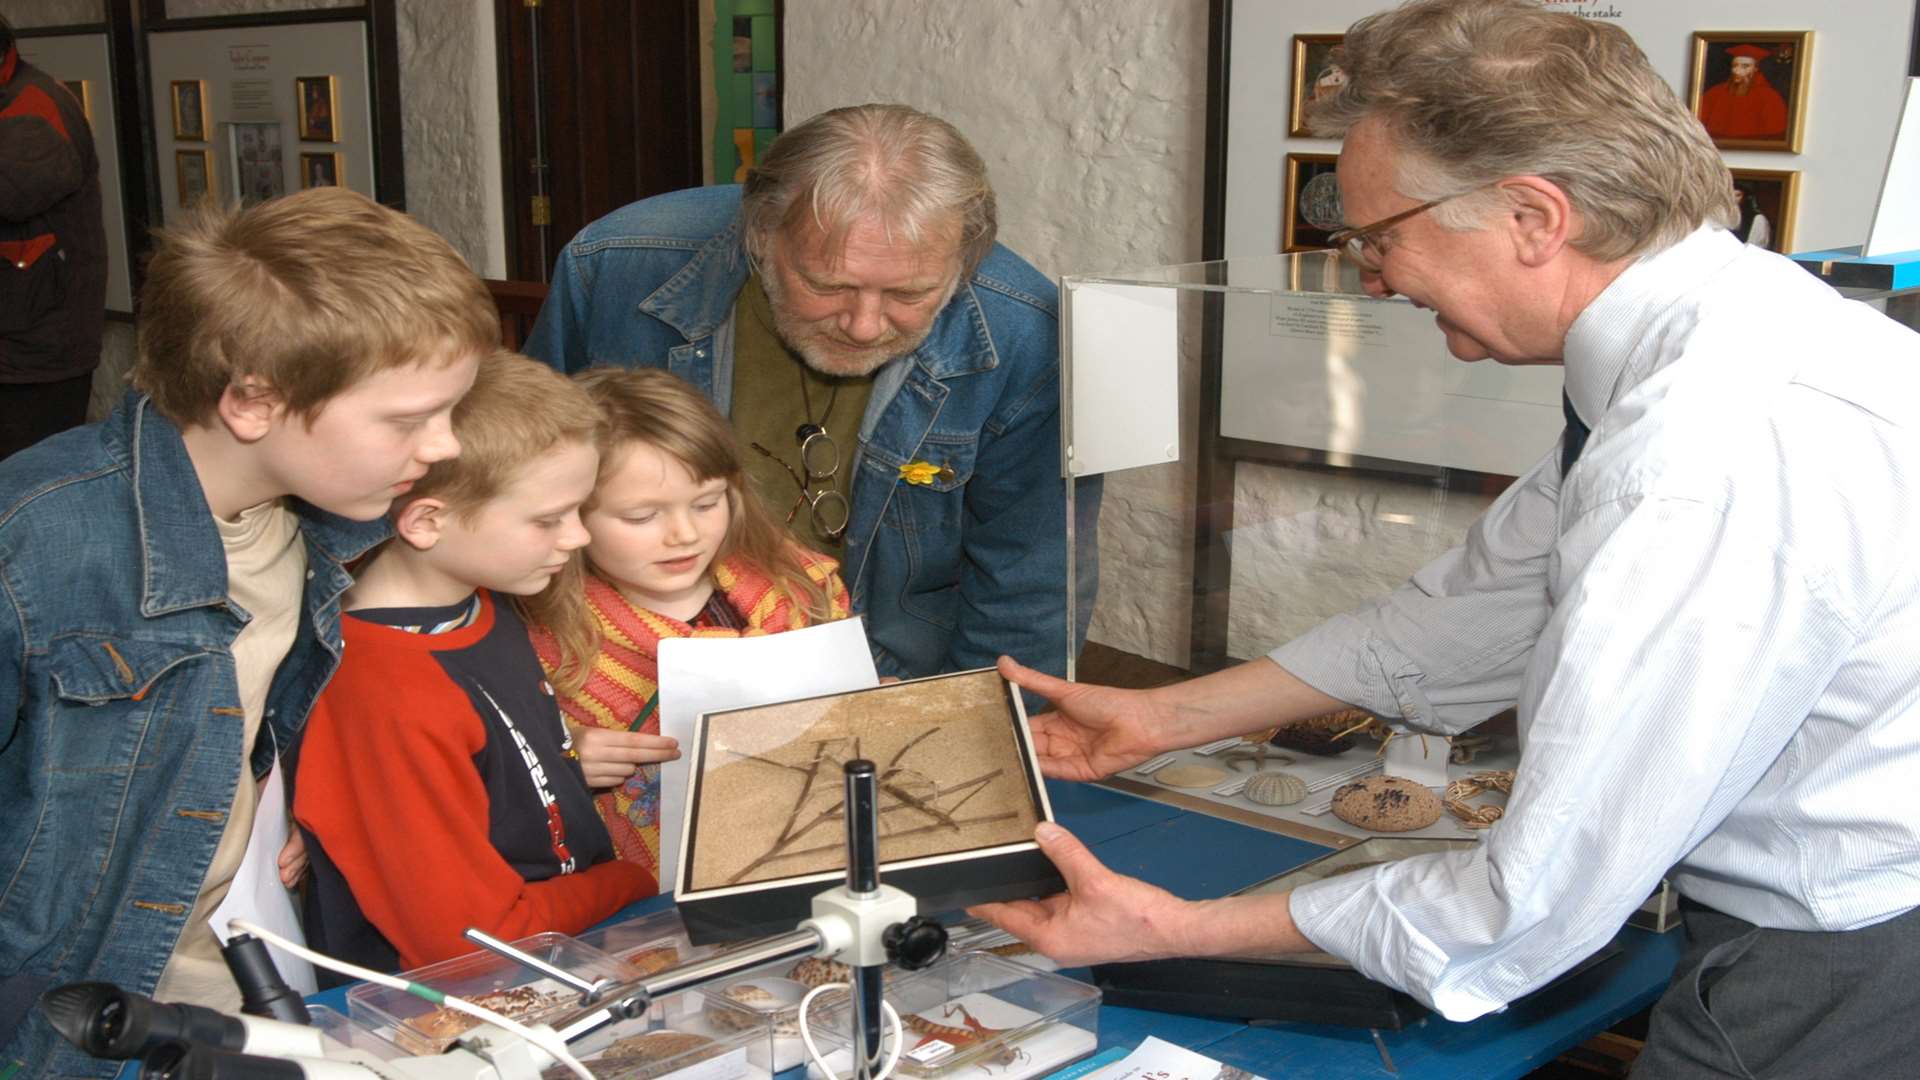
1275, 448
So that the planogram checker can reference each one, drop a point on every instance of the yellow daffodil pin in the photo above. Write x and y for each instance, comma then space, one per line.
925, 472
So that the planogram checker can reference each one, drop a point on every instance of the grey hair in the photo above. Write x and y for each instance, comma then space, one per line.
913, 171
1473, 91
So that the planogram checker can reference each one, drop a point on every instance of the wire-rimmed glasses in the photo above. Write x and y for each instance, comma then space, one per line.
1358, 243
819, 461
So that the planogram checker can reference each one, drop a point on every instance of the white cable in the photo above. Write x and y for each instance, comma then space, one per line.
547, 1041
886, 1013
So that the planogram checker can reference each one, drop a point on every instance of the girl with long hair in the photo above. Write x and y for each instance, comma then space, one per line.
681, 548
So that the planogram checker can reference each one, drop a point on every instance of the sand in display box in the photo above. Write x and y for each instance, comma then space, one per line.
959, 796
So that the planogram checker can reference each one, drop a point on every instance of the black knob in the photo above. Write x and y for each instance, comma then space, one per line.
916, 943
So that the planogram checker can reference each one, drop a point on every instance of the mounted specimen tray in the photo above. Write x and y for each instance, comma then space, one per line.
960, 794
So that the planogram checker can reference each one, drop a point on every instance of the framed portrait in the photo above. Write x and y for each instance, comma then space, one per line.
1749, 89
191, 172
1317, 70
1311, 209
320, 170
319, 100
82, 92
1768, 199
190, 110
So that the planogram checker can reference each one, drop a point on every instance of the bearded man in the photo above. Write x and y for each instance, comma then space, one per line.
891, 371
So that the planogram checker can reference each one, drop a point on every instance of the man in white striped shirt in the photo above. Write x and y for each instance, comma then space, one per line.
1705, 603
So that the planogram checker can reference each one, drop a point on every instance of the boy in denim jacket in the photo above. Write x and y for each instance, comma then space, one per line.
170, 581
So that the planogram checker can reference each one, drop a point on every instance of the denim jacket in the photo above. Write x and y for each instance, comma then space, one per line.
948, 574
120, 718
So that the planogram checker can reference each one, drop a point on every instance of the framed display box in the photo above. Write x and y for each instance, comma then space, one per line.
960, 794
258, 162
322, 80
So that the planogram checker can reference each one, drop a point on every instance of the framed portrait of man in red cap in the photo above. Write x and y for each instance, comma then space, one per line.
1749, 89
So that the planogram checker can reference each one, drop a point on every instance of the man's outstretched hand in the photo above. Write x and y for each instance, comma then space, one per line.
1102, 917
1092, 732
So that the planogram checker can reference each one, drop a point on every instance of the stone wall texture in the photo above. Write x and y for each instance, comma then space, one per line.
1090, 114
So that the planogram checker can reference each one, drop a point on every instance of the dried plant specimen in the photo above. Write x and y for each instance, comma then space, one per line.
951, 774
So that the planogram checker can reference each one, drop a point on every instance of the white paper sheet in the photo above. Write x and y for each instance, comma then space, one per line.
1157, 1059
257, 895
1125, 377
1896, 218
702, 675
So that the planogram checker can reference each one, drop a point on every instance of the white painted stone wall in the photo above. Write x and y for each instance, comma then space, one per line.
1090, 114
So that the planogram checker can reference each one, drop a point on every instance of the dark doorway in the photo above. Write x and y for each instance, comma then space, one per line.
617, 83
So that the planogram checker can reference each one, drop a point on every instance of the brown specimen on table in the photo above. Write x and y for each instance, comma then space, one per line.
1386, 804
1461, 790
430, 1032
960, 1038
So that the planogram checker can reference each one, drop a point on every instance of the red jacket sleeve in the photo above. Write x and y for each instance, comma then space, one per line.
386, 783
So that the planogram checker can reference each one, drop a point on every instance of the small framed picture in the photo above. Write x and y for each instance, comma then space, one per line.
320, 170
258, 172
190, 110
1749, 89
82, 92
1311, 211
1768, 200
1317, 72
319, 99
191, 170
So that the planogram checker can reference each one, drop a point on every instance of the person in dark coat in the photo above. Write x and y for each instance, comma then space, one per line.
53, 254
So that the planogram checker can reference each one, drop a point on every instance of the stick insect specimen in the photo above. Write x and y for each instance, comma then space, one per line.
911, 802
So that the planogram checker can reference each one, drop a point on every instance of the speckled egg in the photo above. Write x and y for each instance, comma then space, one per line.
1386, 804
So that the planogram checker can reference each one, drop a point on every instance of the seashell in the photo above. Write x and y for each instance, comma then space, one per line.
1276, 788
752, 996
815, 971
1190, 775
651, 958
1386, 804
